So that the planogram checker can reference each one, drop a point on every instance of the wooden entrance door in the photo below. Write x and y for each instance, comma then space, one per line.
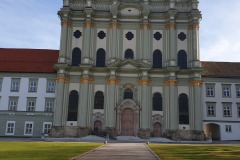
157, 129
127, 123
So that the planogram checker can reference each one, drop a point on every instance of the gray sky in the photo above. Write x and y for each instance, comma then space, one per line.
35, 24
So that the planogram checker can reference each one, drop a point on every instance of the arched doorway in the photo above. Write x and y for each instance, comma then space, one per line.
98, 125
157, 129
127, 122
212, 130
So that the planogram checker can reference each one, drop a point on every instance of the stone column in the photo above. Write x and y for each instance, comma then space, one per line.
146, 109
113, 40
145, 41
171, 108
65, 23
196, 105
195, 44
172, 34
84, 108
87, 36
60, 94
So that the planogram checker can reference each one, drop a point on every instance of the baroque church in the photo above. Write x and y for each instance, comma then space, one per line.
124, 68
130, 68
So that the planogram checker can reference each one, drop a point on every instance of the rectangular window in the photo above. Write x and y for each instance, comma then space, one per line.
227, 110
33, 85
238, 106
49, 105
1, 84
28, 129
226, 90
211, 109
10, 127
228, 128
15, 85
31, 104
51, 86
47, 127
210, 90
13, 103
238, 91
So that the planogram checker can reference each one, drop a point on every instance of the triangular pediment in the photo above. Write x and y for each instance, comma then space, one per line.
129, 64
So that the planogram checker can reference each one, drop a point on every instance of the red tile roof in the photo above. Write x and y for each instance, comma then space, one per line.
28, 60
221, 69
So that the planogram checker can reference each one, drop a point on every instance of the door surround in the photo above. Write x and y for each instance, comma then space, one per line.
128, 104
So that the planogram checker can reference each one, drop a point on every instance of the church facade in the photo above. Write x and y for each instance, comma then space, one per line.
129, 68
124, 68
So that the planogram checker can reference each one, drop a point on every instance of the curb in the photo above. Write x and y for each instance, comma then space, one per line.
152, 152
75, 158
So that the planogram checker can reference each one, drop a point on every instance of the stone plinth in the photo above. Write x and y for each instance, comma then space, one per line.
144, 133
69, 131
189, 135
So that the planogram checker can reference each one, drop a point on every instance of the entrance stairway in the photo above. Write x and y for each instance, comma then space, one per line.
137, 139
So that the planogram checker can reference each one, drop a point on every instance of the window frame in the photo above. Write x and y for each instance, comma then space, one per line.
31, 100
227, 109
99, 100
15, 85
226, 91
237, 91
33, 85
10, 100
1, 81
211, 110
47, 102
228, 128
25, 128
7, 127
46, 123
51, 86
238, 109
212, 92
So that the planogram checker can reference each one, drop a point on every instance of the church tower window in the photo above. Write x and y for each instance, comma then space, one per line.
183, 109
101, 35
76, 57
129, 54
157, 102
157, 36
77, 34
73, 106
128, 94
99, 100
157, 59
129, 36
182, 59
101, 54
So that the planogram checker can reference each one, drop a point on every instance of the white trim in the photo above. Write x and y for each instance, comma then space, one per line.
28, 122
43, 128
10, 134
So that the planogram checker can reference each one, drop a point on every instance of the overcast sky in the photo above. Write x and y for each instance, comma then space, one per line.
35, 24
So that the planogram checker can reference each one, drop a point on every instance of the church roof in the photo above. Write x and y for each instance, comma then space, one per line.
28, 60
221, 69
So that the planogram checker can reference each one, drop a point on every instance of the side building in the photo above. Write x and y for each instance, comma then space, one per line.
221, 100
27, 91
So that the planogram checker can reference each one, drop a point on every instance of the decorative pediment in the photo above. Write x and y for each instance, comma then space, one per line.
129, 64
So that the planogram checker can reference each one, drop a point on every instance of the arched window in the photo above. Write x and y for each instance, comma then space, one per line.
128, 94
100, 60
182, 59
76, 57
183, 109
157, 59
98, 100
129, 54
157, 102
73, 106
